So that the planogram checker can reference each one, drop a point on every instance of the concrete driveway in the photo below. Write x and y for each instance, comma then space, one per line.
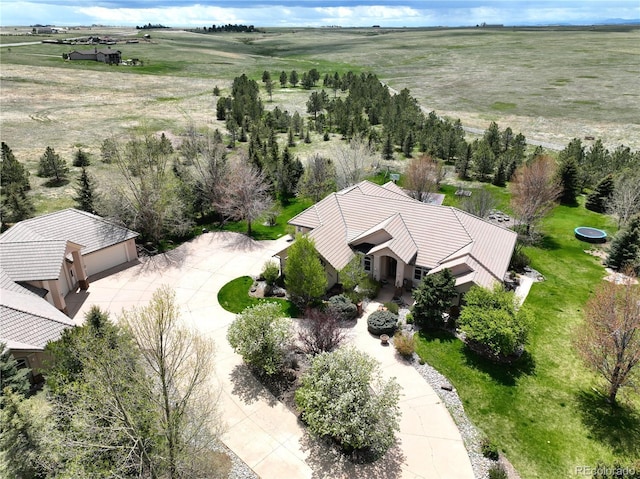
259, 429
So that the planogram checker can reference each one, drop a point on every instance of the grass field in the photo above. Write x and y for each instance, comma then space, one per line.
543, 413
234, 297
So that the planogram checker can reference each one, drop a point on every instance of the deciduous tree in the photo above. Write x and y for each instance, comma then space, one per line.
305, 278
422, 177
609, 340
353, 161
178, 362
244, 195
321, 331
625, 201
534, 189
147, 196
318, 179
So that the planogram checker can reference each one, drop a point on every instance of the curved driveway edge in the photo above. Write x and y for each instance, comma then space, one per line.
265, 434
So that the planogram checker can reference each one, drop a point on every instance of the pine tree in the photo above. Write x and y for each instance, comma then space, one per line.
625, 247
52, 166
81, 158
599, 198
11, 376
408, 144
569, 181
16, 205
500, 177
12, 171
387, 149
86, 192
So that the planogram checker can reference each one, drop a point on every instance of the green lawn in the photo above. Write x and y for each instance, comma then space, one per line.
543, 412
234, 297
261, 231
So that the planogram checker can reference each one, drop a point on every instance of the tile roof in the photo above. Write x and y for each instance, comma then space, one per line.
33, 260
29, 324
418, 233
90, 231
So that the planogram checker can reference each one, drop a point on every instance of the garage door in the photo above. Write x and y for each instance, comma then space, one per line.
101, 260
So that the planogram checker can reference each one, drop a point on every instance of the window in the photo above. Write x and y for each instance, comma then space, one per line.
420, 272
367, 263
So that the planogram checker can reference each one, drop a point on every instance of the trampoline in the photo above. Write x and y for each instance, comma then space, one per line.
590, 235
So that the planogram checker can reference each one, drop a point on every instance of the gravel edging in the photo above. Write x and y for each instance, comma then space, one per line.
470, 434
239, 469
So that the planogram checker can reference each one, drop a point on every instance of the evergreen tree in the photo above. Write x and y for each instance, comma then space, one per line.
483, 160
11, 376
569, 181
493, 138
12, 172
387, 149
86, 192
81, 158
293, 78
599, 198
500, 177
433, 298
291, 141
625, 247
283, 79
52, 166
408, 144
16, 205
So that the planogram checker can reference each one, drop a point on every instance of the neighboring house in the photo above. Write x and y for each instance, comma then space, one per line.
27, 324
105, 55
403, 239
56, 253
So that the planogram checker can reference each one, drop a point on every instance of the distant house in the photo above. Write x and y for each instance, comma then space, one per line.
105, 55
58, 252
402, 239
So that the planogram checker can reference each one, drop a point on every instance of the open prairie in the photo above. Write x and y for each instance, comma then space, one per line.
551, 84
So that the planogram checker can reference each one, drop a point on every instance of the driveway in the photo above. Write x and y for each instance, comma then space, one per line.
259, 429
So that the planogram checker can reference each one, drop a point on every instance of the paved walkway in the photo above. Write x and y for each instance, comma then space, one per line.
259, 429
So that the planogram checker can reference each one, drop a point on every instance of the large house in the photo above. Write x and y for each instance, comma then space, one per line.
105, 55
42, 260
402, 239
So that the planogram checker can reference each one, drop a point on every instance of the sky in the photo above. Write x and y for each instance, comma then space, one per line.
316, 13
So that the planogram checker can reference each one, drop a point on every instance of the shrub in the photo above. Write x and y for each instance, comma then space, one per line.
491, 320
342, 307
305, 278
343, 397
497, 472
322, 333
393, 307
519, 261
270, 272
368, 287
489, 449
382, 322
261, 335
404, 344
409, 318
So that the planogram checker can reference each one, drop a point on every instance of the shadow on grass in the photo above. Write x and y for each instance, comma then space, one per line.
505, 374
616, 425
53, 183
548, 243
431, 335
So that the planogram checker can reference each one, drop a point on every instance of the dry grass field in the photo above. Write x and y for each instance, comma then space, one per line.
551, 84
